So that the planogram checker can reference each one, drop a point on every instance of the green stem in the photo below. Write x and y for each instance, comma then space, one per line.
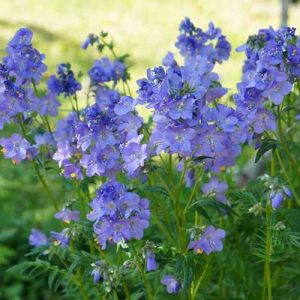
178, 227
163, 161
170, 168
267, 270
180, 215
179, 218
291, 185
44, 119
160, 225
283, 141
199, 281
76, 105
126, 291
41, 178
74, 279
128, 88
83, 208
47, 124
79, 276
220, 284
115, 294
141, 269
181, 180
81, 286
197, 179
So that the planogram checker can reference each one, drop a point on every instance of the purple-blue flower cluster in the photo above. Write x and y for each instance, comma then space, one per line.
23, 61
193, 41
188, 119
105, 70
17, 148
103, 140
209, 241
118, 215
271, 67
38, 238
65, 82
22, 67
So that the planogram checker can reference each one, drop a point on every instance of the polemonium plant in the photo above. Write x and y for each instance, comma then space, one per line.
152, 203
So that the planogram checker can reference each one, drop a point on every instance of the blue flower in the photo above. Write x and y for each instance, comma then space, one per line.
151, 264
276, 199
37, 238
209, 241
117, 214
16, 148
68, 215
277, 196
65, 83
71, 170
194, 41
90, 40
98, 271
105, 70
134, 155
48, 105
217, 187
23, 61
124, 106
171, 283
61, 239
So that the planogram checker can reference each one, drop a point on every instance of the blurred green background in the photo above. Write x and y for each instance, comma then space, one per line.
146, 29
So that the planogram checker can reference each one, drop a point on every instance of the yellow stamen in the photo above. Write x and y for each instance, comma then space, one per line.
73, 175
222, 168
56, 243
14, 162
199, 251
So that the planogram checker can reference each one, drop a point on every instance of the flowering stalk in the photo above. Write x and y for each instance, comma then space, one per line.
35, 166
44, 118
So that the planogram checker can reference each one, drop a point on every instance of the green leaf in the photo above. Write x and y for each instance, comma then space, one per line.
268, 144
201, 158
156, 189
288, 108
201, 210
